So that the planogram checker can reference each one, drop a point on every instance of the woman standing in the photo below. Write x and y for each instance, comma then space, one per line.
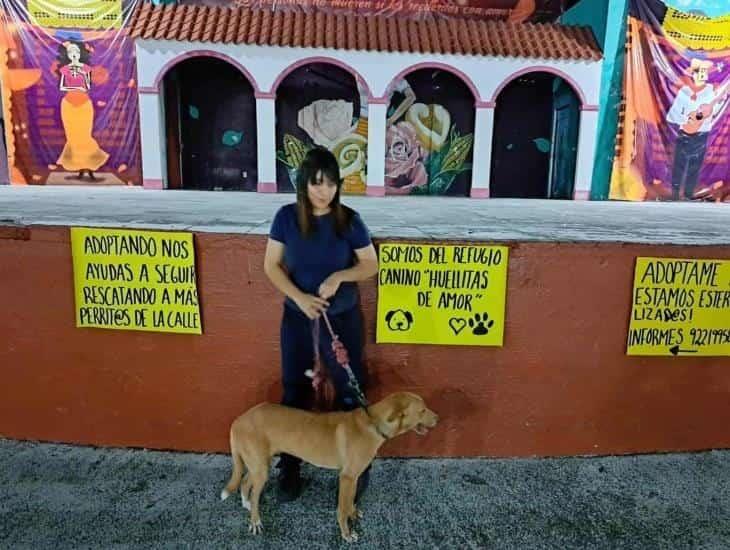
81, 152
317, 250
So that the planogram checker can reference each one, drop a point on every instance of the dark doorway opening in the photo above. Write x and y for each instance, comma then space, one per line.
535, 139
210, 123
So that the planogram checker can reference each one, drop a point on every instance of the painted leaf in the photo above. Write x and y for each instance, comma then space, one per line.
231, 138
441, 184
542, 144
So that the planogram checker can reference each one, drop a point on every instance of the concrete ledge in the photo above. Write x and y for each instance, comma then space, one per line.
441, 218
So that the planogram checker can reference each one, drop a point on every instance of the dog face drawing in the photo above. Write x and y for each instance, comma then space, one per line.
399, 319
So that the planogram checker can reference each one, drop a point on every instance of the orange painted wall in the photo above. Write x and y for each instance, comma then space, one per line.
561, 385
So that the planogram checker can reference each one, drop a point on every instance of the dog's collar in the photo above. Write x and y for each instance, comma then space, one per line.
375, 424
364, 405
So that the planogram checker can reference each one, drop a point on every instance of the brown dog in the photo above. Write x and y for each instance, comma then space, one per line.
344, 441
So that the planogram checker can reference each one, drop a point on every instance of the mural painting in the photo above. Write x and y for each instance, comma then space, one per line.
675, 138
322, 104
430, 135
70, 101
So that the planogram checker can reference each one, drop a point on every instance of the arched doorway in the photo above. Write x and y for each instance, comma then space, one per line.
210, 126
322, 104
535, 138
430, 135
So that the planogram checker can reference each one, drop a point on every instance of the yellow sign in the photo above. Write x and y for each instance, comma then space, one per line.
434, 294
135, 280
680, 307
76, 14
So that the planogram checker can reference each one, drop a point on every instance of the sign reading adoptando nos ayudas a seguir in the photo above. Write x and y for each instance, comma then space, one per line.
441, 294
135, 280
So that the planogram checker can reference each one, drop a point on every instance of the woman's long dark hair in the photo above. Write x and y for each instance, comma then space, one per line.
320, 163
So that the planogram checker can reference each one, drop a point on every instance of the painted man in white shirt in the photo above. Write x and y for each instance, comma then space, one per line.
695, 110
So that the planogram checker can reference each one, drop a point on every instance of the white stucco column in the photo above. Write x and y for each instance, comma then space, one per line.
266, 142
154, 151
482, 151
377, 116
587, 136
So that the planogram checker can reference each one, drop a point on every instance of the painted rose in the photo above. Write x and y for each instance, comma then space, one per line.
404, 170
327, 120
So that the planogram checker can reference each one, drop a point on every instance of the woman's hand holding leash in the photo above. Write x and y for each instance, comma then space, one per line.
312, 306
329, 286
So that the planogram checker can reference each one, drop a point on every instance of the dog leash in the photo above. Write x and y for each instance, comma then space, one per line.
344, 361
318, 375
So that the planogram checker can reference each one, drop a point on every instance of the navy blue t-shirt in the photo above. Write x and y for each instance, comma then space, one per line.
310, 260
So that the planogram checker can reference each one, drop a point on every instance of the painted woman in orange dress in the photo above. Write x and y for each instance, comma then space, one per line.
81, 152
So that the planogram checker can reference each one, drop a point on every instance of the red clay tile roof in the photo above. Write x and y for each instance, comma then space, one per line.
349, 31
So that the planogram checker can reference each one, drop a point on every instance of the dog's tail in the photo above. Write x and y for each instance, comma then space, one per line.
236, 475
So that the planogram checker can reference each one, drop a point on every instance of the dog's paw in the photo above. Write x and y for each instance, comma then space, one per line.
225, 494
356, 514
256, 527
245, 502
352, 537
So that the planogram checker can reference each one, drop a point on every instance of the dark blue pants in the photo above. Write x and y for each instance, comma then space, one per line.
297, 356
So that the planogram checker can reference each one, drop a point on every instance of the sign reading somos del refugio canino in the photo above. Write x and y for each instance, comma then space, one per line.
135, 280
441, 294
680, 307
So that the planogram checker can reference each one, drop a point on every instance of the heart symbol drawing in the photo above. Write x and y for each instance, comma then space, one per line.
457, 324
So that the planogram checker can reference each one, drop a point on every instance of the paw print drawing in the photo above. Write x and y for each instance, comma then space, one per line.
480, 324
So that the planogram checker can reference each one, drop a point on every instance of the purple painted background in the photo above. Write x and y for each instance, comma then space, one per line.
662, 139
656, 71
36, 111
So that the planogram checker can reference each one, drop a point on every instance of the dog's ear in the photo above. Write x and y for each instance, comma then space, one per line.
389, 316
398, 414
409, 316
396, 418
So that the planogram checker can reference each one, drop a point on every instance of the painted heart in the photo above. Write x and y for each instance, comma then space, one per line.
457, 324
432, 124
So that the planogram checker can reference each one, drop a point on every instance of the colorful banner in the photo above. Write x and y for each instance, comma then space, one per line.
69, 96
674, 132
135, 280
441, 294
680, 307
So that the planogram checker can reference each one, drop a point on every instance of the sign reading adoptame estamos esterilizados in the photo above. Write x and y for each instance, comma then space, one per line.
680, 307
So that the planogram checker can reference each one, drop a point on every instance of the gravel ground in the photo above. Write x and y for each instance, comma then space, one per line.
62, 496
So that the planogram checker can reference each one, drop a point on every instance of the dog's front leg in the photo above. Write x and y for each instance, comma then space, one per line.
345, 506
